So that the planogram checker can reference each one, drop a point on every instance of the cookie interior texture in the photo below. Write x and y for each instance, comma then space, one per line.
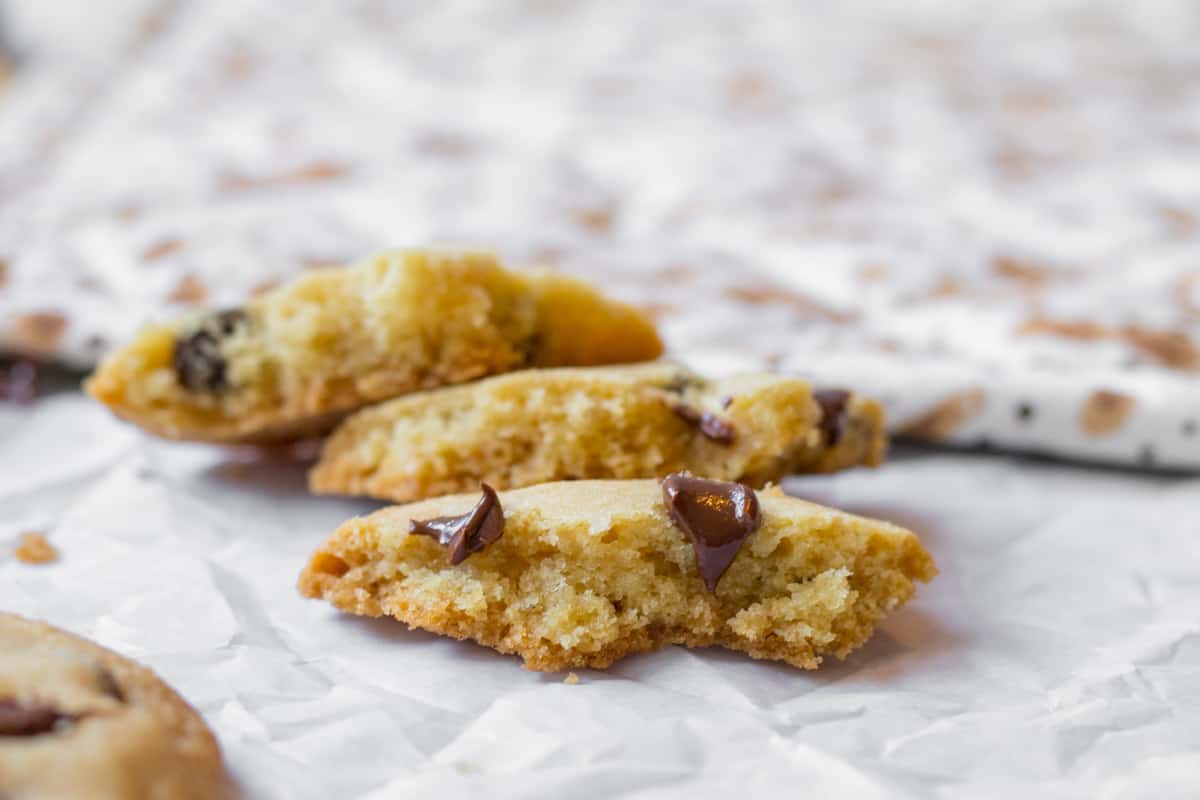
293, 362
538, 426
589, 571
111, 728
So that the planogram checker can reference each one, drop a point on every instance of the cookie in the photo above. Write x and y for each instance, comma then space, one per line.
645, 421
77, 720
294, 361
582, 573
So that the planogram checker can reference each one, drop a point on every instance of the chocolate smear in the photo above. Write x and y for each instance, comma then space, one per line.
712, 426
199, 364
468, 533
833, 413
18, 719
716, 515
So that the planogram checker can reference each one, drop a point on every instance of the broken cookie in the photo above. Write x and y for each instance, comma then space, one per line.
294, 361
644, 421
587, 572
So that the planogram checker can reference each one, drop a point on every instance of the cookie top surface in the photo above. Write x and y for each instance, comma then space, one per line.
77, 720
568, 503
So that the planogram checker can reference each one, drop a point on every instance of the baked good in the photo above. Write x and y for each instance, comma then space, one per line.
292, 362
537, 426
581, 573
77, 720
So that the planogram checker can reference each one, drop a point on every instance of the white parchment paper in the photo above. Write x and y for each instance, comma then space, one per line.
1058, 654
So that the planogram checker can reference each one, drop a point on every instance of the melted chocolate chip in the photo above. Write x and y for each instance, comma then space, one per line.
199, 364
18, 719
833, 413
468, 533
716, 515
712, 426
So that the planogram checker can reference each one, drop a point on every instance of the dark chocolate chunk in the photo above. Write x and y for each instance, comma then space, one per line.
712, 426
468, 533
716, 515
18, 719
833, 413
199, 364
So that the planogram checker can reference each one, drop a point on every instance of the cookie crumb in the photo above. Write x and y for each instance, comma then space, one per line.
571, 678
35, 549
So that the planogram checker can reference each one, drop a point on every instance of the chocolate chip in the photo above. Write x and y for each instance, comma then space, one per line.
199, 364
18, 719
716, 515
833, 413
712, 426
468, 533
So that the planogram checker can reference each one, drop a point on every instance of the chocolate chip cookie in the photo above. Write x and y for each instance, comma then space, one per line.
294, 361
78, 721
645, 421
582, 573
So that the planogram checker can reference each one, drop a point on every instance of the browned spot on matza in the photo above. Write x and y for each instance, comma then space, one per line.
1180, 222
1104, 412
1187, 294
1173, 349
1026, 272
38, 333
161, 249
948, 287
1079, 330
749, 89
944, 419
316, 172
775, 295
189, 291
678, 273
599, 220
1029, 102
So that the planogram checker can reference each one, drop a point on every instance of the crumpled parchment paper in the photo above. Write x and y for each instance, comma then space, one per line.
1057, 655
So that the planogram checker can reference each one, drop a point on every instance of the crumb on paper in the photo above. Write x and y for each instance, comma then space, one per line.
35, 549
571, 678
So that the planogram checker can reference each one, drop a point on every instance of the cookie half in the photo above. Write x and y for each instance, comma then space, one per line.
537, 426
77, 720
582, 573
293, 362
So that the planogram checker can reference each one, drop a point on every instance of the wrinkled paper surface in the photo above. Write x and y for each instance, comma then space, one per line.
1058, 654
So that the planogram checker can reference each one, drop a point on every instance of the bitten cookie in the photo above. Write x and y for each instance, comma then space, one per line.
294, 361
582, 573
537, 426
77, 721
